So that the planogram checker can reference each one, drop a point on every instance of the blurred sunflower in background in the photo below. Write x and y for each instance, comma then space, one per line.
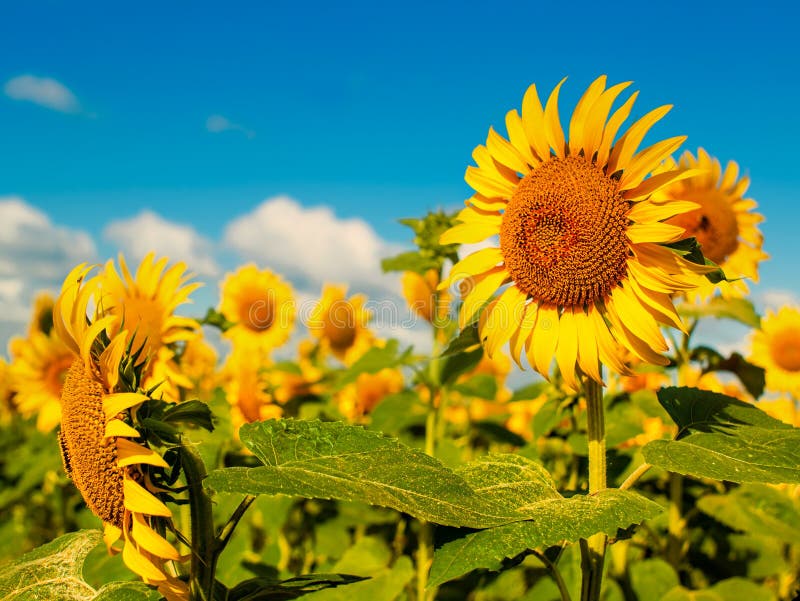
423, 297
104, 453
776, 348
145, 305
261, 306
725, 223
340, 324
583, 247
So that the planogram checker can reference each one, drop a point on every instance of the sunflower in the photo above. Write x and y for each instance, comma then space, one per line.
420, 292
111, 465
725, 223
247, 387
260, 305
776, 348
582, 246
144, 305
362, 396
38, 370
198, 362
340, 324
42, 320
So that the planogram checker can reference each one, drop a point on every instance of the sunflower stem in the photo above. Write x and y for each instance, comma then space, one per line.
593, 549
201, 577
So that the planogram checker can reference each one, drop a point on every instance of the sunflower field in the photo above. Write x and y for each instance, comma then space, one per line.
150, 451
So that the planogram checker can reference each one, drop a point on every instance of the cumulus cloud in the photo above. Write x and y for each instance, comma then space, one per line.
149, 232
35, 255
44, 91
217, 124
775, 299
312, 245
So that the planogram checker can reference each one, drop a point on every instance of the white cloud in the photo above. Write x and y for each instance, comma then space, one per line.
149, 232
35, 255
44, 91
312, 245
217, 124
775, 299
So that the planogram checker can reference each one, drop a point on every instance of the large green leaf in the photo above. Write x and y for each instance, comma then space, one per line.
54, 572
756, 509
652, 578
556, 519
373, 361
339, 461
732, 589
725, 439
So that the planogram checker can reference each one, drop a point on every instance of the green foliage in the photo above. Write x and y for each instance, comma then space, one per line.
54, 572
752, 377
429, 254
723, 438
738, 309
556, 519
374, 360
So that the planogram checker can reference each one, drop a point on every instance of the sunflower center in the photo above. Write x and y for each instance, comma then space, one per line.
563, 233
257, 313
340, 325
89, 457
785, 349
713, 225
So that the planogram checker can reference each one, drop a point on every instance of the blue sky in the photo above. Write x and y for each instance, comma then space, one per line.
368, 109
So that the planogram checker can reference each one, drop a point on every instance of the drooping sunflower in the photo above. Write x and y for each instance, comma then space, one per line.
776, 348
725, 222
261, 306
111, 465
38, 370
582, 246
340, 323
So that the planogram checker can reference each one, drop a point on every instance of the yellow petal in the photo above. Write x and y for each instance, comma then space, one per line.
131, 453
533, 122
552, 123
647, 160
478, 290
542, 345
636, 318
648, 211
567, 349
141, 565
578, 120
469, 233
503, 320
629, 142
658, 302
612, 127
655, 182
111, 534
587, 346
657, 232
607, 346
505, 153
139, 499
117, 427
150, 540
520, 338
597, 116
120, 401
478, 262
487, 185
516, 134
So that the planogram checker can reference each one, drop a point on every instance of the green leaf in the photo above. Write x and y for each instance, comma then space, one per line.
751, 376
652, 579
482, 386
216, 319
555, 519
385, 585
738, 309
334, 460
54, 572
192, 412
396, 412
725, 439
466, 340
374, 360
409, 261
266, 589
756, 509
459, 363
529, 392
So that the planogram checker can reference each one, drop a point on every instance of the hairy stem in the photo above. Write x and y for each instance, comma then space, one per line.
555, 573
201, 578
593, 549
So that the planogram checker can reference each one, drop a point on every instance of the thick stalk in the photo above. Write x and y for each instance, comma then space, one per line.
201, 578
593, 549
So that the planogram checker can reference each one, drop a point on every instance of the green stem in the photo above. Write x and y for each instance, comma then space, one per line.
227, 530
633, 478
676, 522
553, 569
593, 549
201, 578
